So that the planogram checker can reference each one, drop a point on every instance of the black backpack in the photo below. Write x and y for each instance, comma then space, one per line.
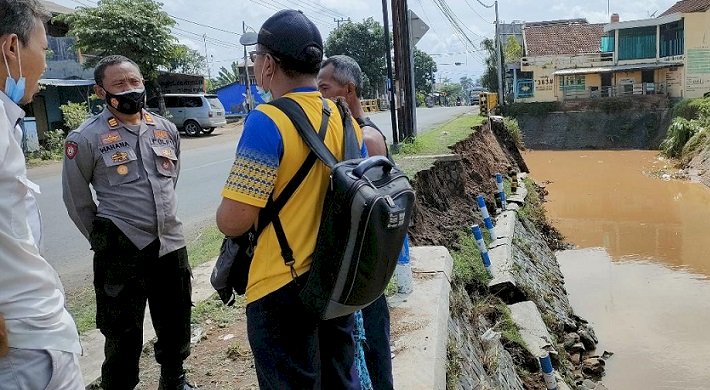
365, 218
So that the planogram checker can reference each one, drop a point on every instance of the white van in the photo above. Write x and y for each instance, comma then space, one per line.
193, 113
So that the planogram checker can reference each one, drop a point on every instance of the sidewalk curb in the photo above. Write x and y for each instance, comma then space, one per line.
92, 342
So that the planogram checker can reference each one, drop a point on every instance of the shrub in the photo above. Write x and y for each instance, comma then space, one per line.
691, 109
51, 148
74, 114
535, 109
679, 133
695, 145
512, 126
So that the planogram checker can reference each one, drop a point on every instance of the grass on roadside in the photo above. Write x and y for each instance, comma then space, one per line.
468, 265
82, 304
438, 141
434, 142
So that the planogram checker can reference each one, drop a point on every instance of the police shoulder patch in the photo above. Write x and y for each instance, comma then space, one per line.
148, 117
71, 149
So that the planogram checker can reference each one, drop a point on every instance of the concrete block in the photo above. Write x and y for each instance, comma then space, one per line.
501, 253
420, 322
532, 328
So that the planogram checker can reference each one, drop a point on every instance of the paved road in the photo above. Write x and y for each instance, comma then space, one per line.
427, 118
206, 161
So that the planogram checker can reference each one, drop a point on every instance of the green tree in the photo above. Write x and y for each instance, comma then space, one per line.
137, 29
226, 76
186, 60
512, 51
466, 85
489, 79
424, 70
365, 43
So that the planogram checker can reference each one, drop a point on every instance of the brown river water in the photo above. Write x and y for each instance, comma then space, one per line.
641, 275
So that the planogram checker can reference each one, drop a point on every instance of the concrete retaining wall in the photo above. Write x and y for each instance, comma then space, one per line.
632, 129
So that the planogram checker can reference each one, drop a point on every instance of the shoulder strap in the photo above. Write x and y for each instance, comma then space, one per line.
299, 119
351, 147
295, 112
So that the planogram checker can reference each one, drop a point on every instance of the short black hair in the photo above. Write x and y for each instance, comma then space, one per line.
109, 61
293, 68
345, 70
20, 17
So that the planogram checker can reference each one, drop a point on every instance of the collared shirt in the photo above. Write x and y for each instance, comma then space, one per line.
31, 295
133, 172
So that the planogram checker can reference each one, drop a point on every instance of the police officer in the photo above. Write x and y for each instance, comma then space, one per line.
131, 158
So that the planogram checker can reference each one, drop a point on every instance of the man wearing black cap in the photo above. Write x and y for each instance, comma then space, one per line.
293, 349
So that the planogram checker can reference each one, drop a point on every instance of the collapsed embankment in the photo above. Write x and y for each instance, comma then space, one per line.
638, 122
485, 348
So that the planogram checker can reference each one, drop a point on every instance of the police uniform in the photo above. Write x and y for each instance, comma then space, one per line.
138, 243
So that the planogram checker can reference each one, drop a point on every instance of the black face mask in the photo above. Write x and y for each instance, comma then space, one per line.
129, 102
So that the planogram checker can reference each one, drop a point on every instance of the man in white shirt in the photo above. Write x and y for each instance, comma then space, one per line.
39, 343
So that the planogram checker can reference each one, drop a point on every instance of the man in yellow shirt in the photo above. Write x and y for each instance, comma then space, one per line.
292, 348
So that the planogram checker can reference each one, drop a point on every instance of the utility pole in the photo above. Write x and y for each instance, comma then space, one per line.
500, 60
403, 54
341, 20
246, 72
390, 82
207, 58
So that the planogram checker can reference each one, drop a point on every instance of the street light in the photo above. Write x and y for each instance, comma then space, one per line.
248, 38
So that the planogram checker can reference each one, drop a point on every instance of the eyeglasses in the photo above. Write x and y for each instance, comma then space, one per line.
253, 54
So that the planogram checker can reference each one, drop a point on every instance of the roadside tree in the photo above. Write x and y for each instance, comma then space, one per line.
424, 70
365, 43
137, 29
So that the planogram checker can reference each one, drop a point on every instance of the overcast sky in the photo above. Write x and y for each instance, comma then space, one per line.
441, 42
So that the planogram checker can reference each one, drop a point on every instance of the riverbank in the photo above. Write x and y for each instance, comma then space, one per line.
487, 345
480, 310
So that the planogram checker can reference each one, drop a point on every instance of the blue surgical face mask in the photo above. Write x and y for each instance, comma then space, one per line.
15, 90
264, 94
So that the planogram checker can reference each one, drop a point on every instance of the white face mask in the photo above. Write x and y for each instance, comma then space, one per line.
265, 94
15, 90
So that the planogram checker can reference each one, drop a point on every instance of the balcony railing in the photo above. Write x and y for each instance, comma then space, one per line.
615, 91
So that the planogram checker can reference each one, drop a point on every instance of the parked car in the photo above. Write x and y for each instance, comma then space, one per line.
475, 95
193, 113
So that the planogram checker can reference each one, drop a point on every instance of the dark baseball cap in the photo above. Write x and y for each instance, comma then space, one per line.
288, 33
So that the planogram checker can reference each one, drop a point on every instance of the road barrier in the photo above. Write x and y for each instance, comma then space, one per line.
370, 105
478, 236
486, 217
501, 191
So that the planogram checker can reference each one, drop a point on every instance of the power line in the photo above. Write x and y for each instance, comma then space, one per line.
486, 6
277, 5
315, 8
455, 23
476, 12
205, 25
333, 12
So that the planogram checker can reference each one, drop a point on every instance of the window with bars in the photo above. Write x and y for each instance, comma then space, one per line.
637, 43
672, 39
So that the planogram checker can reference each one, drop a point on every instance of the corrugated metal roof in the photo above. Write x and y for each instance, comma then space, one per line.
688, 6
55, 8
618, 68
66, 83
573, 37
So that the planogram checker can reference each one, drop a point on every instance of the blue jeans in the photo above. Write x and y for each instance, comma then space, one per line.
378, 356
293, 349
